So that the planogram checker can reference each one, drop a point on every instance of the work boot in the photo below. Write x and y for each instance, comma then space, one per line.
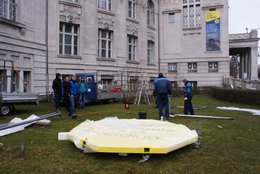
74, 116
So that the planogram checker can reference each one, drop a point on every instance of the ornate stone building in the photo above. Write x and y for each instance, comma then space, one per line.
130, 40
23, 46
118, 40
114, 39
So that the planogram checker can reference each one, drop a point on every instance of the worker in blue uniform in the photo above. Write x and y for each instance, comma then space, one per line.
162, 91
188, 97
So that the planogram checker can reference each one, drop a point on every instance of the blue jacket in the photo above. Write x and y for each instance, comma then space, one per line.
188, 89
82, 87
162, 86
73, 89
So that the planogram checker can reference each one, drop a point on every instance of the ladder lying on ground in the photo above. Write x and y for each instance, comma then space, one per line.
141, 92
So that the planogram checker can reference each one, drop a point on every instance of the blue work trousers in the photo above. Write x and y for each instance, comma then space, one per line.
82, 97
72, 105
188, 106
57, 100
163, 104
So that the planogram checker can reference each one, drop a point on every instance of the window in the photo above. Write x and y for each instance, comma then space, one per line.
8, 9
26, 81
104, 43
15, 82
213, 66
133, 83
150, 51
68, 39
150, 13
132, 9
107, 80
191, 13
174, 84
75, 1
171, 17
151, 83
2, 80
131, 47
105, 4
172, 67
192, 67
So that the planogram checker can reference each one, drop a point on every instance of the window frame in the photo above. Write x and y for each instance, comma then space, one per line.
8, 10
73, 34
213, 68
150, 51
108, 4
150, 13
171, 67
108, 39
192, 67
193, 16
132, 45
131, 11
171, 17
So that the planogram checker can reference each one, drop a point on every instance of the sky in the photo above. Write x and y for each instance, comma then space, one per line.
244, 14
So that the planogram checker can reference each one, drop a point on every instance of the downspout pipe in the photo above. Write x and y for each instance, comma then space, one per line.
159, 38
47, 47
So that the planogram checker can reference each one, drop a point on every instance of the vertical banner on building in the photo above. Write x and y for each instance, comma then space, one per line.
212, 30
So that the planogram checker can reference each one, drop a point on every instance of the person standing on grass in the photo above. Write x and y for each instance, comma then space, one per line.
66, 89
82, 90
73, 95
188, 97
57, 88
162, 91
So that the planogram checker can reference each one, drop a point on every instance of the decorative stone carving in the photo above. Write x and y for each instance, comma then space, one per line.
71, 12
132, 28
106, 22
150, 35
172, 2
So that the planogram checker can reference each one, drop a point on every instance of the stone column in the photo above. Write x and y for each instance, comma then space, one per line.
242, 63
254, 69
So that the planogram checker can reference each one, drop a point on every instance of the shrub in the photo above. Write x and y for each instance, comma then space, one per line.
237, 95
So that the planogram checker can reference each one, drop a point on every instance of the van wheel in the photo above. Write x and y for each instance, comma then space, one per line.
5, 110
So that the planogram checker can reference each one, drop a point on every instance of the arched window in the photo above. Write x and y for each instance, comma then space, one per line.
150, 13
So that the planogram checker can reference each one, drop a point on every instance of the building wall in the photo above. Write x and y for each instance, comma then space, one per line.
188, 44
23, 42
177, 44
90, 19
245, 46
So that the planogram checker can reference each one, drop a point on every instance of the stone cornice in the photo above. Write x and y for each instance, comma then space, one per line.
217, 6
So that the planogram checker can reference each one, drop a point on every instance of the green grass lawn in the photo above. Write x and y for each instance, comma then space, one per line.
234, 148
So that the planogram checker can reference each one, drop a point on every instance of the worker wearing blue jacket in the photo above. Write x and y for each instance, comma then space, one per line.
73, 94
188, 97
162, 90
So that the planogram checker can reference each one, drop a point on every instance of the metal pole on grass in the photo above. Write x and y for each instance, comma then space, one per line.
201, 116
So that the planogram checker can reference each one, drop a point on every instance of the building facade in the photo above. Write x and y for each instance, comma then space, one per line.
23, 46
123, 41
133, 40
194, 41
244, 47
116, 40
